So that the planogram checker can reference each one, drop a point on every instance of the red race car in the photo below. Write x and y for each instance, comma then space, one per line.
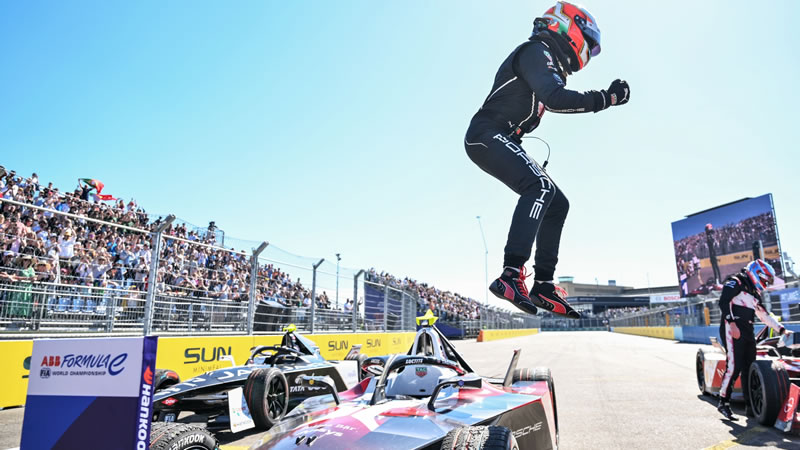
774, 384
427, 399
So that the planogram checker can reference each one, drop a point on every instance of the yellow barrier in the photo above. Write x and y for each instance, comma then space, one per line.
656, 332
493, 335
14, 376
192, 356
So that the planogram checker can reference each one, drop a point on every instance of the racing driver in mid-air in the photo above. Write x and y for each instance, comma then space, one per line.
531, 79
740, 303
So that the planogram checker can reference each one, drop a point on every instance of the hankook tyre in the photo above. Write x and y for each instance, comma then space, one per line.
181, 436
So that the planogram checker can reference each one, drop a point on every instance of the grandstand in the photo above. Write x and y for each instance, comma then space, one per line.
71, 261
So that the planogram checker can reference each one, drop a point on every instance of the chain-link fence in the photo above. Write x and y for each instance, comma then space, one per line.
93, 276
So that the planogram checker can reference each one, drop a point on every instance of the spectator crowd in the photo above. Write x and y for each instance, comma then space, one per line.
731, 238
91, 259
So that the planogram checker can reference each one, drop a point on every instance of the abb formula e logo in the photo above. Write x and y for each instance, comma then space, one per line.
86, 364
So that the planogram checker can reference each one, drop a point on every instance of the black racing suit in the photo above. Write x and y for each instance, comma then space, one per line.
530, 80
740, 303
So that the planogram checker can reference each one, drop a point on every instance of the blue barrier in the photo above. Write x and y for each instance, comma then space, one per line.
700, 335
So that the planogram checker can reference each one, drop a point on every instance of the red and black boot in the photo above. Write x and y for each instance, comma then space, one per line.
550, 297
511, 286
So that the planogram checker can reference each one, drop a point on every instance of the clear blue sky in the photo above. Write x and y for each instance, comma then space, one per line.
328, 127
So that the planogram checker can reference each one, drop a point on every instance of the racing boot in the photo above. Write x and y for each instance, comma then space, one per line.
511, 286
725, 409
547, 295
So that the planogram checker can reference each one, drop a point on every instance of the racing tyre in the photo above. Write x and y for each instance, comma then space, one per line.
540, 374
769, 386
267, 394
700, 363
479, 438
180, 436
164, 378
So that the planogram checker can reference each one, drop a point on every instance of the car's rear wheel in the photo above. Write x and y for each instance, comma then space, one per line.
700, 363
768, 388
480, 438
267, 394
180, 436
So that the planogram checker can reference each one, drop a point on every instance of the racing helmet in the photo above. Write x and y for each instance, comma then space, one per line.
577, 27
760, 273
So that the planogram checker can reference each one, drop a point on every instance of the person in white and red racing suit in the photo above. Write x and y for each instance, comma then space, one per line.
740, 303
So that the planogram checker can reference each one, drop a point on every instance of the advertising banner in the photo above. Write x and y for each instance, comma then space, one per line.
90, 393
713, 244
665, 298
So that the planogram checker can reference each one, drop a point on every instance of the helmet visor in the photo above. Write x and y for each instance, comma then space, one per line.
592, 37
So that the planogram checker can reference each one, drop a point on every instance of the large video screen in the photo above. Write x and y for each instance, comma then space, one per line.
713, 244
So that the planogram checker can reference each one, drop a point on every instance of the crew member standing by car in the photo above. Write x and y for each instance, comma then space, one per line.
740, 302
531, 79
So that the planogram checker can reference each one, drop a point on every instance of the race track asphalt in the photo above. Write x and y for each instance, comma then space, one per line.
614, 391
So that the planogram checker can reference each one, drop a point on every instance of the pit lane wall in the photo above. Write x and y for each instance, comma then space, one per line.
192, 356
493, 335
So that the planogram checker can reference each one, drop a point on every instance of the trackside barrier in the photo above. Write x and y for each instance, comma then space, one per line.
493, 335
657, 332
689, 334
16, 367
192, 356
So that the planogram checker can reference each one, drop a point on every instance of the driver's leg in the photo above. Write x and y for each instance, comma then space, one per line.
748, 356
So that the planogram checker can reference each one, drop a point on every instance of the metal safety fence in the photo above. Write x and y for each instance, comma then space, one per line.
78, 274
783, 302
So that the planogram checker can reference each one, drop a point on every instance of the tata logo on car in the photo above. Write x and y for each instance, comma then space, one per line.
336, 346
194, 355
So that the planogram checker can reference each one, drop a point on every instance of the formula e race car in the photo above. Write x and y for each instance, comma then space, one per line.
429, 398
256, 394
774, 378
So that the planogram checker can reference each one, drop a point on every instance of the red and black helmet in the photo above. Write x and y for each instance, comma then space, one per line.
578, 28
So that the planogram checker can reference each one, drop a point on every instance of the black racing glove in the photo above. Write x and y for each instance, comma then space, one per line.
617, 94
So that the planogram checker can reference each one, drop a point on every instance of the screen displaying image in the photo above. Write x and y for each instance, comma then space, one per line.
713, 244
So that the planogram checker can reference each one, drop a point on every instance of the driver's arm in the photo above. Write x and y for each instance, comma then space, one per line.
769, 320
538, 68
729, 291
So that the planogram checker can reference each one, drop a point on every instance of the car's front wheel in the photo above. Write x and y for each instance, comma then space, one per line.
266, 392
180, 436
768, 388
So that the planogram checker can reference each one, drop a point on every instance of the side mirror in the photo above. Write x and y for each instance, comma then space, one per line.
469, 381
228, 358
316, 381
